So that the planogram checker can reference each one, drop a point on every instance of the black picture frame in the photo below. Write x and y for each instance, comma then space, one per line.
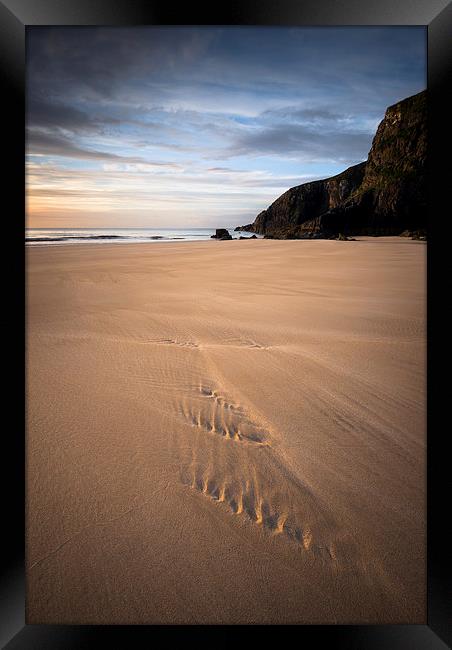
15, 16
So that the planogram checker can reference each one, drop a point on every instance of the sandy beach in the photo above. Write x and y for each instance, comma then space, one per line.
227, 432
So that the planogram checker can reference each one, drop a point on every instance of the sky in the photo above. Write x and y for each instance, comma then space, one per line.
201, 126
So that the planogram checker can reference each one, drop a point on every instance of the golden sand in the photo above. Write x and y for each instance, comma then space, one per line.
226, 432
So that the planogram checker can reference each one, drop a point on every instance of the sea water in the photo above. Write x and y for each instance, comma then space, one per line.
46, 236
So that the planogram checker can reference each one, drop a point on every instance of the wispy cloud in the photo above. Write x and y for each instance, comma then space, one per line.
303, 143
57, 145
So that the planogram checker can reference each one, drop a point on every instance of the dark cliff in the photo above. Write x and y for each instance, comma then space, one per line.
387, 194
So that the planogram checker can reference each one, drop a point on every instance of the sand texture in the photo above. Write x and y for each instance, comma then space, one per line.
226, 432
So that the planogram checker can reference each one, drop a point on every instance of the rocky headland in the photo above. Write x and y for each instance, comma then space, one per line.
385, 195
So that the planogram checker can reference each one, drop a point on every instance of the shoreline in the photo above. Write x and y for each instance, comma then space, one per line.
357, 238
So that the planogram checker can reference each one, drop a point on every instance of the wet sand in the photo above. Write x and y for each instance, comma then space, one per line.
226, 432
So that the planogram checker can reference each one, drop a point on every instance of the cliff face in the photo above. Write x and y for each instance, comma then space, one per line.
387, 194
306, 202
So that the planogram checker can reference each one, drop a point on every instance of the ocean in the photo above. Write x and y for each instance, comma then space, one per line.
46, 236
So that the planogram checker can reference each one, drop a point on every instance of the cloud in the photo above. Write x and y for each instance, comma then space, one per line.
222, 170
93, 63
303, 143
143, 167
59, 115
39, 143
56, 115
297, 114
